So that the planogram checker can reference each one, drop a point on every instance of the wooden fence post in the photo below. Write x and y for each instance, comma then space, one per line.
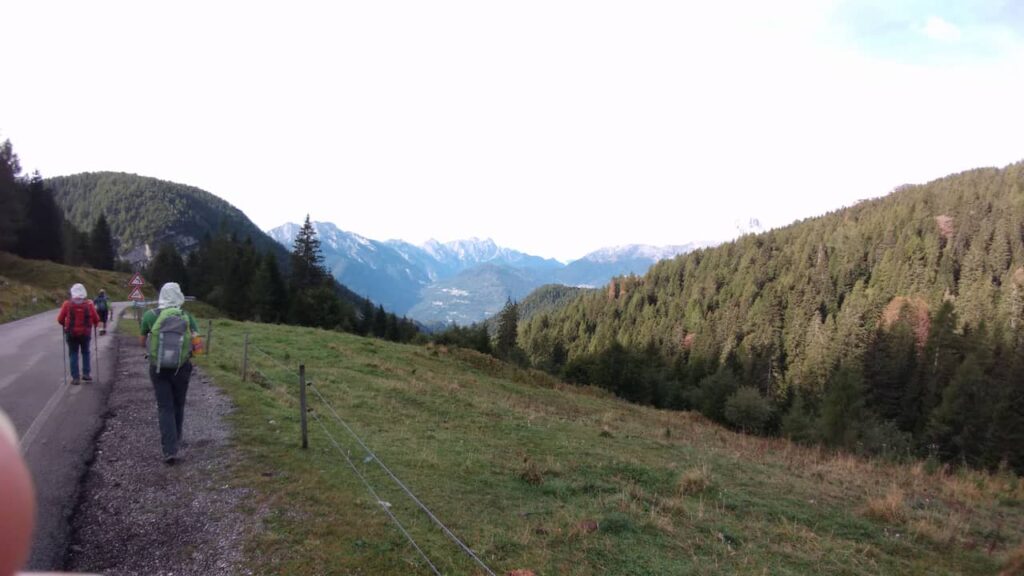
245, 358
209, 335
302, 405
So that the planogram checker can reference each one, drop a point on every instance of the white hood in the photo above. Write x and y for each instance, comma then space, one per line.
171, 296
78, 293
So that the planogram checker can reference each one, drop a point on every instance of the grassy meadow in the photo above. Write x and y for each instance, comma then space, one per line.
28, 287
538, 477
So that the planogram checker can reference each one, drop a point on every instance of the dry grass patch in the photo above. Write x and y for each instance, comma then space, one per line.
799, 539
694, 481
891, 507
530, 472
944, 530
965, 487
661, 520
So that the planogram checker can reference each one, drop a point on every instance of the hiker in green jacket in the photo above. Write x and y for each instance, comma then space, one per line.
167, 333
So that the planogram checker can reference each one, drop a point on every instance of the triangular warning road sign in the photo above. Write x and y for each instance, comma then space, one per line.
136, 280
136, 294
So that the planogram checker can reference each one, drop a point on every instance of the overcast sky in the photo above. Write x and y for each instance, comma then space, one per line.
553, 127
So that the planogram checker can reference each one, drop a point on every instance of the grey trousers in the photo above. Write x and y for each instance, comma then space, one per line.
170, 387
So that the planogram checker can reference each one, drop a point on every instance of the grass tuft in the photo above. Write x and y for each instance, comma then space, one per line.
531, 473
891, 507
694, 481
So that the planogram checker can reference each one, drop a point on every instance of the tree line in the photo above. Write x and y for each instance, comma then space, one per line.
33, 226
895, 326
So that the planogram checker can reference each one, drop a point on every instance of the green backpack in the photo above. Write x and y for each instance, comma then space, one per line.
170, 340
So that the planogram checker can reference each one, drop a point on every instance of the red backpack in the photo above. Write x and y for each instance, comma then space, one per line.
78, 323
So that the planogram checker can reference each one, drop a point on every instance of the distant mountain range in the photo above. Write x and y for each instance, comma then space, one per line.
463, 281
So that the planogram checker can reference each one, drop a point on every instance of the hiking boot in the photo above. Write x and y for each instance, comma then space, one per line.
169, 459
87, 378
75, 381
102, 332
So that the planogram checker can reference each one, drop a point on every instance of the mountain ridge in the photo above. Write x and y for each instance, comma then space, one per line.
463, 281
144, 212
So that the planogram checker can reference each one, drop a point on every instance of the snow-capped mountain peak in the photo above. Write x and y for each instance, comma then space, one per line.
640, 252
748, 226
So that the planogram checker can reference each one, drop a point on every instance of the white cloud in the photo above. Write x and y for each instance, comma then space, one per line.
938, 29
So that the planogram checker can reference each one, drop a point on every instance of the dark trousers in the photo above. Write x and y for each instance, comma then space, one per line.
76, 345
170, 387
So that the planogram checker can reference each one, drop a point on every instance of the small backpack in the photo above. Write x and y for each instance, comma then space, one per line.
101, 304
79, 322
170, 340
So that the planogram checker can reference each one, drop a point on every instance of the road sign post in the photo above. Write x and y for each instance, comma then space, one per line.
136, 295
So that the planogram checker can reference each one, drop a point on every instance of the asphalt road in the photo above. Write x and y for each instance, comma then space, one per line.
57, 422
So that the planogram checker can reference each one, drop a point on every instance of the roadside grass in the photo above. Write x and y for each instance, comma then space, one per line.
28, 287
537, 475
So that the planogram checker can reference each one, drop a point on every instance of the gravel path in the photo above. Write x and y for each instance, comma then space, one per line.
137, 515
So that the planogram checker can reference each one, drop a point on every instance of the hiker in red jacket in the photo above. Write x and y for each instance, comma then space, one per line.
78, 316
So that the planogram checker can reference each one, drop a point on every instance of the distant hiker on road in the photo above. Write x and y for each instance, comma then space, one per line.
103, 309
167, 333
78, 316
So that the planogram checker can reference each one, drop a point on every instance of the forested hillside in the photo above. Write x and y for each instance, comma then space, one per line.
895, 325
144, 211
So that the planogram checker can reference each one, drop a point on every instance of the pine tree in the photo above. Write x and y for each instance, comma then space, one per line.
1006, 443
366, 316
798, 422
75, 244
12, 198
391, 330
889, 368
101, 245
269, 294
842, 409
167, 266
748, 410
314, 301
43, 236
380, 322
480, 339
508, 330
938, 361
713, 391
238, 283
320, 307
955, 426
307, 259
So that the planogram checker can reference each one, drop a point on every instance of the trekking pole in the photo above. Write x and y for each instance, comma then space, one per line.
64, 355
96, 347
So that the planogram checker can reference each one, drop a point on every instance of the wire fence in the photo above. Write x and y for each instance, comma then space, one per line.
279, 374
